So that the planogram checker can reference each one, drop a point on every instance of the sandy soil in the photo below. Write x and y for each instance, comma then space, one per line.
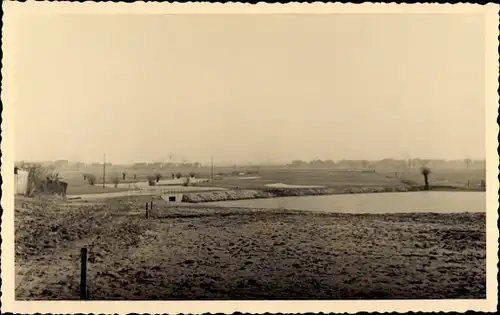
213, 253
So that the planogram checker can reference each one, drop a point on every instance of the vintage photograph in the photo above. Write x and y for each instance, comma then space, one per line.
243, 157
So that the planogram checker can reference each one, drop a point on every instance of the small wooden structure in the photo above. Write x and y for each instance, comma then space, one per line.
21, 180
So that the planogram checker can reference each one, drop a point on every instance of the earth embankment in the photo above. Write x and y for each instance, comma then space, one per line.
239, 194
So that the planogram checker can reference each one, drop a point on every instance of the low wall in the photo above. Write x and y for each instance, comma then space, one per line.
176, 197
210, 196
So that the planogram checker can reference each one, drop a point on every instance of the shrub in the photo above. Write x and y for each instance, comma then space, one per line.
158, 176
152, 180
178, 175
91, 179
192, 174
124, 175
116, 181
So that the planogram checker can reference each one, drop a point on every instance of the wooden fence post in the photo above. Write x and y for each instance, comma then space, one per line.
83, 275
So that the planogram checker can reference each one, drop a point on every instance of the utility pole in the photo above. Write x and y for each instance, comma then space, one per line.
104, 172
211, 167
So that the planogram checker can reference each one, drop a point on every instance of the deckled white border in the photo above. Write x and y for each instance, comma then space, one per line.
14, 9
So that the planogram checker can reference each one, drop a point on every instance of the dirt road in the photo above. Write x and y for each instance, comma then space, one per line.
210, 253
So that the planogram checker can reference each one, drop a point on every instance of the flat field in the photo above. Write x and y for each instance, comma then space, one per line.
312, 177
212, 253
333, 178
78, 186
458, 177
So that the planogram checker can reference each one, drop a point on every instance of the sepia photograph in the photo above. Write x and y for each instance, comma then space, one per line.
218, 153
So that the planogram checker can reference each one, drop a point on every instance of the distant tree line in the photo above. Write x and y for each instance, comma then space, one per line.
388, 163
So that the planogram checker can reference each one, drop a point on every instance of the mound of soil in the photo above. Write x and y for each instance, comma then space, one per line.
50, 233
41, 225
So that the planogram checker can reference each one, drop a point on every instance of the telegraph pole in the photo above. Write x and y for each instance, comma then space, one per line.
104, 172
211, 167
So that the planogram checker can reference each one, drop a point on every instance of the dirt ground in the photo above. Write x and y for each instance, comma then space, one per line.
213, 253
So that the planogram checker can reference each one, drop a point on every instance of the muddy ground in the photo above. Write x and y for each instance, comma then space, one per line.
212, 253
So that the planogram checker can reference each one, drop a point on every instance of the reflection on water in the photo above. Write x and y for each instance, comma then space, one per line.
443, 202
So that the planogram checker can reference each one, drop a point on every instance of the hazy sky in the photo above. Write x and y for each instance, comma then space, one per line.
249, 87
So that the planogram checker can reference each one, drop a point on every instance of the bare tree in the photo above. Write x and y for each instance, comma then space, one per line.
124, 175
43, 180
36, 177
425, 171
467, 162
